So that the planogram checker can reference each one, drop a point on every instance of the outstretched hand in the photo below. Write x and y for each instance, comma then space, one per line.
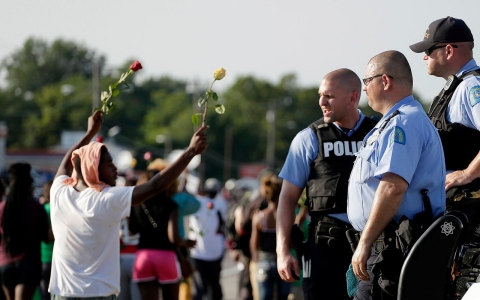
95, 122
199, 142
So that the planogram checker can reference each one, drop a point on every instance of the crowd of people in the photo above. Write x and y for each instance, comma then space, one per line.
347, 173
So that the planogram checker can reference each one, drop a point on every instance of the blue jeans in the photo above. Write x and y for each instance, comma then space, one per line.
267, 277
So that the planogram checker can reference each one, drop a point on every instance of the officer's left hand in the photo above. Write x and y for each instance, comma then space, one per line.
456, 178
359, 261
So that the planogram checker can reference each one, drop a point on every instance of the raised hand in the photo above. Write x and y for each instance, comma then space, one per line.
199, 142
95, 122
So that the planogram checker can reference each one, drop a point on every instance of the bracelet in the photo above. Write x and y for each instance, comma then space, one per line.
465, 174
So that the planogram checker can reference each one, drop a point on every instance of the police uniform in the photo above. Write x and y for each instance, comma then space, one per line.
320, 158
457, 117
403, 142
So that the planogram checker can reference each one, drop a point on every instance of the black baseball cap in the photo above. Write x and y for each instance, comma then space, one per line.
446, 30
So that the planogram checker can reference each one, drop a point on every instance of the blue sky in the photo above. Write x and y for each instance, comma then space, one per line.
189, 39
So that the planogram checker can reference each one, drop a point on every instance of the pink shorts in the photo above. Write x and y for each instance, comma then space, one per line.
151, 264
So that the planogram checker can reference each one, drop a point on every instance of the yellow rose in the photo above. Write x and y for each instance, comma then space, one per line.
219, 73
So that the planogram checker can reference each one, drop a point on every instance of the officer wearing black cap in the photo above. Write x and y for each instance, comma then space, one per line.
455, 112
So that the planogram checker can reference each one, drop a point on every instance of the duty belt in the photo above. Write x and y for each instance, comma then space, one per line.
329, 230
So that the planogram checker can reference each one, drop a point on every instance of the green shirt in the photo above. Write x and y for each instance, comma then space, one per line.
47, 248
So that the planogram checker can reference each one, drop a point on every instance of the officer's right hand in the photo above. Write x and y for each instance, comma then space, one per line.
199, 142
286, 263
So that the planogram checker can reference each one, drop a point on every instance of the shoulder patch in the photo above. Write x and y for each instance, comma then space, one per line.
474, 95
398, 136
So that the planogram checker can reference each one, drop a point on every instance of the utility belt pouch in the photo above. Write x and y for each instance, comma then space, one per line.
331, 233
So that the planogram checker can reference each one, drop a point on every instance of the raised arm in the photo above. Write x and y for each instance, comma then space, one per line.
163, 179
94, 124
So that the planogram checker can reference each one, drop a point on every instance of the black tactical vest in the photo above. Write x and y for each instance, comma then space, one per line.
460, 143
328, 181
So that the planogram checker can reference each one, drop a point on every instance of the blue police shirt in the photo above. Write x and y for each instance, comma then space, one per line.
302, 152
464, 106
408, 146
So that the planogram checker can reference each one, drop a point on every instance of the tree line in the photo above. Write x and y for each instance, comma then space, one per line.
49, 89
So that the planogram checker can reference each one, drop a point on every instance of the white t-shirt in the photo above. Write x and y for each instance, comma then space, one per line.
210, 244
86, 255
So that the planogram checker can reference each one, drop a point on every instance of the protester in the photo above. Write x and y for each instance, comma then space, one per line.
128, 248
86, 211
207, 228
258, 202
400, 159
156, 262
24, 224
263, 245
46, 247
187, 204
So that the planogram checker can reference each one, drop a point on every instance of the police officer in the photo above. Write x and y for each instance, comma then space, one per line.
448, 47
400, 157
321, 158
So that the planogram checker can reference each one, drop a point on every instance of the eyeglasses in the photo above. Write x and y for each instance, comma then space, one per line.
366, 81
429, 51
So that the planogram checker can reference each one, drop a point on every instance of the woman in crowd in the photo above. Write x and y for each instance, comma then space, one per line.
24, 224
46, 247
263, 244
156, 262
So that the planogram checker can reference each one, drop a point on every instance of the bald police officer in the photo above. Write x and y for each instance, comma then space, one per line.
321, 159
400, 157
448, 47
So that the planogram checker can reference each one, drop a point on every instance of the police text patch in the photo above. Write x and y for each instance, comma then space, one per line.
474, 95
398, 136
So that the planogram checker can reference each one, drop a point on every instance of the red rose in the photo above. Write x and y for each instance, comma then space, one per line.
209, 205
136, 66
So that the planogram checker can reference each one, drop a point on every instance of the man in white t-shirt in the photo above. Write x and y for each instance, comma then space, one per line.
86, 210
207, 228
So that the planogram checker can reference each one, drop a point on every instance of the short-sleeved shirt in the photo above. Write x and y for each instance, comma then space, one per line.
464, 107
47, 247
410, 147
86, 225
302, 152
206, 229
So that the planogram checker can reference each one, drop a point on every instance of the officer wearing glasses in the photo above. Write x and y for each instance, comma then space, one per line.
448, 47
400, 157
320, 159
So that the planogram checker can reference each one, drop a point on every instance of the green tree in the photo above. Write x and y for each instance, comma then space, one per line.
39, 63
